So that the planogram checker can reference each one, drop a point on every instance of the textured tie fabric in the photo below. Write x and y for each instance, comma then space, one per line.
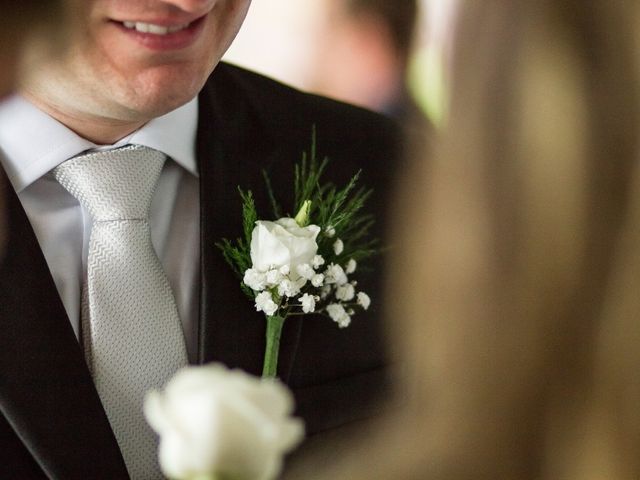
131, 332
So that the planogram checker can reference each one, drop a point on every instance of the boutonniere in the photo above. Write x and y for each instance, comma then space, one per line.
218, 423
306, 263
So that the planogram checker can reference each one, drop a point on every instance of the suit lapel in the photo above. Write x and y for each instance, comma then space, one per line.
234, 145
46, 392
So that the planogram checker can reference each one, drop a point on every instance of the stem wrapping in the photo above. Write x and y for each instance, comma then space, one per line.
273, 334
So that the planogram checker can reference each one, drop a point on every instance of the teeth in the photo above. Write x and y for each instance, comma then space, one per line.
154, 29
142, 27
157, 29
177, 28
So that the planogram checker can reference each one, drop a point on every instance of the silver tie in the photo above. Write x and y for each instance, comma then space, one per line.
131, 332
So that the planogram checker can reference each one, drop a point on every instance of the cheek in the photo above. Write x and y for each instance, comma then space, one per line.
228, 21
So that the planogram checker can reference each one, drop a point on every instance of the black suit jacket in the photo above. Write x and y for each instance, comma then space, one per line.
51, 420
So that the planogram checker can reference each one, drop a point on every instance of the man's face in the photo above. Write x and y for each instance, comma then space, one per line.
133, 60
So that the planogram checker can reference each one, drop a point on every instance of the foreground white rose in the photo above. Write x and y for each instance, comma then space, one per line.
283, 243
215, 421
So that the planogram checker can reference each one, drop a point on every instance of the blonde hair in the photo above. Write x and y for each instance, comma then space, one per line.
516, 283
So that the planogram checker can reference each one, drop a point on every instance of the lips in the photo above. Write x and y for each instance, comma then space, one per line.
162, 35
153, 28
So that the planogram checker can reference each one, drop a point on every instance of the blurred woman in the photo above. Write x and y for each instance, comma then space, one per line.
364, 55
515, 298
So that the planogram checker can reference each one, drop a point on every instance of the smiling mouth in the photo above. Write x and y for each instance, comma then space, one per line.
155, 29
163, 34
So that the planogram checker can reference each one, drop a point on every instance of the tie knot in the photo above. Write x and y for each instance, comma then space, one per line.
113, 184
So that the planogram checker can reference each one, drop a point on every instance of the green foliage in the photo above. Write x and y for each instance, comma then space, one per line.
339, 208
275, 208
249, 214
306, 177
238, 254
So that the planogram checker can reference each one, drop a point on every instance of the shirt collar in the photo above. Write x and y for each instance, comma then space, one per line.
32, 143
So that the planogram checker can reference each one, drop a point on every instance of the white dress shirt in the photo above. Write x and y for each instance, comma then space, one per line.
32, 143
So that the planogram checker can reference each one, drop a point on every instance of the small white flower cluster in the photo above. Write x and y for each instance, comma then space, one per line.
344, 291
335, 291
286, 284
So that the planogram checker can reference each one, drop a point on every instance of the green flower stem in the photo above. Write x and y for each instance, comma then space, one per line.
274, 331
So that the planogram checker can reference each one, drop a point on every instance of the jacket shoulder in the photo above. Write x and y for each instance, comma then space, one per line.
291, 111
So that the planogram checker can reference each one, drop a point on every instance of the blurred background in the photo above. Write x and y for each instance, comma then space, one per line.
388, 55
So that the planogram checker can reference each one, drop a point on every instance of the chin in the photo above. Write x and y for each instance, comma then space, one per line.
163, 94
157, 105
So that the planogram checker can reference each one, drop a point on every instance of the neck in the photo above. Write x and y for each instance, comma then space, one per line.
99, 130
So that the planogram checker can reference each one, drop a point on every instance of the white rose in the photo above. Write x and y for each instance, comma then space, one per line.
215, 421
283, 243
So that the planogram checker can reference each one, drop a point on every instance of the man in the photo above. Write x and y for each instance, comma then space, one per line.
135, 89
